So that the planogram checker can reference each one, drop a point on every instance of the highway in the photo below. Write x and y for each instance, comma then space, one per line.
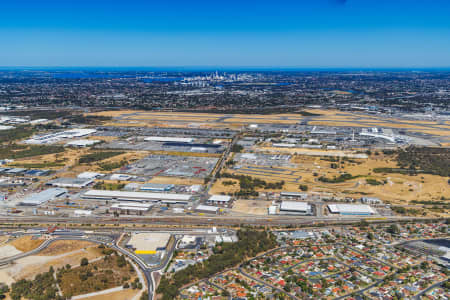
193, 220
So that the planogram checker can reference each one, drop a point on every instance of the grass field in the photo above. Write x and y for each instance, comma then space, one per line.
60, 247
126, 294
176, 180
96, 276
392, 188
67, 158
26, 243
219, 187
396, 188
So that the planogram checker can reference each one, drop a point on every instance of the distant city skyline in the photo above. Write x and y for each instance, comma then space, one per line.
243, 34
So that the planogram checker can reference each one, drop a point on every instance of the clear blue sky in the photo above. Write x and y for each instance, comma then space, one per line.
277, 33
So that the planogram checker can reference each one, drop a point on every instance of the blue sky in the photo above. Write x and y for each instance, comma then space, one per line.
316, 33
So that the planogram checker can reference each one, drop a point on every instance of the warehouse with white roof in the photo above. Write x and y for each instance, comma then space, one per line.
43, 197
82, 143
351, 209
207, 209
164, 139
137, 196
68, 182
131, 207
295, 207
219, 200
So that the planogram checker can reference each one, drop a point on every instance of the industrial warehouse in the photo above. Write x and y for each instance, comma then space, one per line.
43, 197
131, 207
294, 207
351, 209
137, 196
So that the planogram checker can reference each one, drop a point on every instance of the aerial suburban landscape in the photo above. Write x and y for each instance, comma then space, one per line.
347, 198
225, 150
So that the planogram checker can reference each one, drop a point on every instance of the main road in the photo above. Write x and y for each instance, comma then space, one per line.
192, 220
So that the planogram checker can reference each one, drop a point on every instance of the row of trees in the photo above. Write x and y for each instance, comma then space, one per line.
43, 287
19, 151
425, 160
339, 179
250, 183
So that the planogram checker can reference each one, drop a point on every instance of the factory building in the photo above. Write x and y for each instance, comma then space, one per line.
82, 143
221, 200
15, 171
137, 196
82, 213
179, 144
90, 175
294, 195
164, 139
370, 200
43, 197
157, 187
294, 207
37, 172
207, 209
68, 182
131, 207
351, 209
121, 177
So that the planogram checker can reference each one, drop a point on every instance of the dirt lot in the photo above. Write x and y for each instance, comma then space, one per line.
60, 247
36, 264
26, 243
176, 180
253, 207
219, 187
67, 158
127, 294
129, 156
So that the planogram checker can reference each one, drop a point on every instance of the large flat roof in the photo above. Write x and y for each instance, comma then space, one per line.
119, 195
295, 206
157, 186
293, 194
168, 139
131, 206
44, 196
351, 209
207, 208
219, 198
70, 182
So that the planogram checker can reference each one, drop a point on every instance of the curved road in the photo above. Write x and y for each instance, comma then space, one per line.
145, 269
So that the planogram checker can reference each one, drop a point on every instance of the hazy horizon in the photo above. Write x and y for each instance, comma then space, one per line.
253, 34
